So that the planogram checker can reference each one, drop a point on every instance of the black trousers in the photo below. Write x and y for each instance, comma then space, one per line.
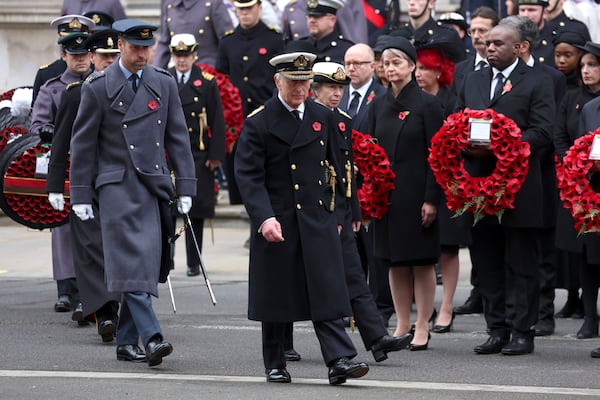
335, 342
548, 268
190, 249
508, 261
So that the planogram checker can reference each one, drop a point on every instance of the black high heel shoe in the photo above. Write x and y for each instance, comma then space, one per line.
444, 328
431, 321
420, 347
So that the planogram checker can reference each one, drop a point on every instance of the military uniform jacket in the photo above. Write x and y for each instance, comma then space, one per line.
330, 48
360, 122
565, 133
118, 149
244, 55
78, 7
543, 51
46, 72
425, 32
399, 236
279, 166
206, 20
530, 103
200, 93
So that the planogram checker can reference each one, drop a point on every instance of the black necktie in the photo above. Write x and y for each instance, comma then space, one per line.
354, 104
181, 80
480, 65
499, 82
133, 78
296, 114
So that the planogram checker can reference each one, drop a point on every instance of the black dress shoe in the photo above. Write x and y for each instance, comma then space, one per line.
387, 344
573, 308
471, 306
444, 328
544, 328
595, 353
193, 271
343, 369
518, 346
589, 329
63, 304
107, 329
291, 355
78, 313
278, 375
156, 349
130, 352
493, 345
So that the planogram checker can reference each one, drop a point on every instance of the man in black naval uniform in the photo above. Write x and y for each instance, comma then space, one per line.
65, 25
285, 165
204, 118
537, 11
88, 259
329, 44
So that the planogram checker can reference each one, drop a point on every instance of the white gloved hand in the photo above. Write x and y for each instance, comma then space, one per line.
184, 204
83, 211
57, 201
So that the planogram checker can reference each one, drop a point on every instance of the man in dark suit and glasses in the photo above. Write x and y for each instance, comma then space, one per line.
284, 163
510, 247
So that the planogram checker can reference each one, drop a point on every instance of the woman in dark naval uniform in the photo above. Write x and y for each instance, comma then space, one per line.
407, 239
204, 118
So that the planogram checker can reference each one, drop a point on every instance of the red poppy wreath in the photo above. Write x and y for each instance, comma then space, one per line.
574, 186
486, 195
378, 177
232, 106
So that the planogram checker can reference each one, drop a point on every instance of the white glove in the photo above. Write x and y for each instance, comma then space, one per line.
83, 211
184, 204
57, 201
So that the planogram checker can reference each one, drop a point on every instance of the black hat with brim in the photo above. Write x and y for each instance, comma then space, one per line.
136, 32
591, 47
74, 43
447, 42
403, 44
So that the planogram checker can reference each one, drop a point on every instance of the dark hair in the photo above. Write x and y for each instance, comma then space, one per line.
487, 13
432, 58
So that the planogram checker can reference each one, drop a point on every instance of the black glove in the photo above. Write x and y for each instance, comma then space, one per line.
46, 133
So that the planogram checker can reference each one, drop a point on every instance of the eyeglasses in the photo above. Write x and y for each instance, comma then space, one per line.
356, 64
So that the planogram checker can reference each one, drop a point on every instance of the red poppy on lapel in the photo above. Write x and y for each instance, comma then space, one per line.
371, 96
197, 82
262, 51
342, 126
402, 115
316, 127
152, 105
507, 87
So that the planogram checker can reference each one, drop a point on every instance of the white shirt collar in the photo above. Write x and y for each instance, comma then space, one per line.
289, 108
506, 71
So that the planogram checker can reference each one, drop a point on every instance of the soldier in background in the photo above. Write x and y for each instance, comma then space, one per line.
204, 118
111, 7
206, 20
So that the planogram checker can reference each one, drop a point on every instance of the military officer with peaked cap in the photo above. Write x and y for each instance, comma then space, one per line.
101, 19
321, 17
129, 117
207, 20
64, 25
111, 7
204, 118
97, 301
283, 166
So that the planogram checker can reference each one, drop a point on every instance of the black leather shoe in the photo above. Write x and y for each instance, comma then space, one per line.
343, 369
387, 344
589, 329
291, 355
595, 353
544, 328
471, 306
156, 349
445, 328
78, 313
573, 308
518, 346
421, 347
278, 375
107, 329
193, 271
130, 352
493, 345
63, 304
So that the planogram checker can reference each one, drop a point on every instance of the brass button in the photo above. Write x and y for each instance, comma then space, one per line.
193, 114
156, 166
346, 152
157, 144
245, 79
296, 186
291, 9
159, 122
124, 125
296, 35
207, 4
195, 99
170, 6
172, 33
169, 19
320, 183
131, 146
343, 180
292, 22
334, 43
207, 18
322, 142
120, 104
544, 42
293, 166
299, 206
201, 31
245, 58
320, 202
190, 130
322, 163
249, 100
542, 59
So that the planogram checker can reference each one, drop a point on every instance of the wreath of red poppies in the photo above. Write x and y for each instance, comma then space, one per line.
574, 186
492, 194
378, 177
10, 133
232, 106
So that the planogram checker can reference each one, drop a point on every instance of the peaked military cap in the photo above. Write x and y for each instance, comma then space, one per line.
543, 3
103, 41
101, 19
245, 3
72, 23
183, 43
454, 18
73, 43
330, 72
136, 32
318, 8
296, 62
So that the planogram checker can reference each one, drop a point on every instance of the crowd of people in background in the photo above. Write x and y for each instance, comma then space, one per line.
372, 71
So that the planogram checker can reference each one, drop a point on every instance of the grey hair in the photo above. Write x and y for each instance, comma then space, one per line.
397, 53
527, 29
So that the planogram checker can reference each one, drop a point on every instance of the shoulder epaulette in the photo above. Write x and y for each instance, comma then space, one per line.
273, 28
94, 75
44, 66
344, 113
292, 2
229, 32
208, 76
253, 113
72, 84
161, 70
